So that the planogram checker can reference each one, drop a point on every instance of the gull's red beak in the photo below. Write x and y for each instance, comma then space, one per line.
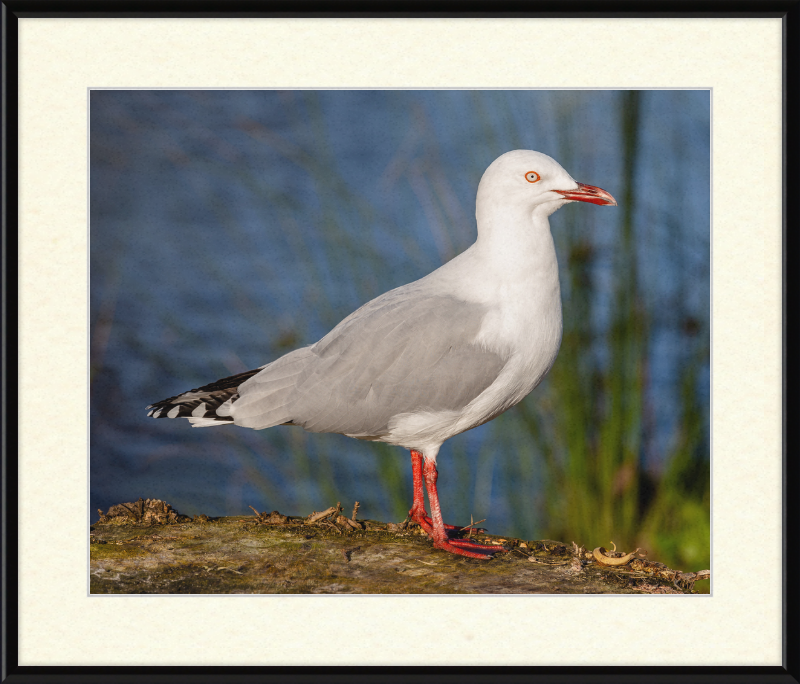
588, 193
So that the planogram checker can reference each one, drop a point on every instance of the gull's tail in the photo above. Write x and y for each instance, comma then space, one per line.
200, 405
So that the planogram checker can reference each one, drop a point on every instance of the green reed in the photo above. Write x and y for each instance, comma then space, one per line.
589, 432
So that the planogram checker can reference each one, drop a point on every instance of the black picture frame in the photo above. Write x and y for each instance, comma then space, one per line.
12, 10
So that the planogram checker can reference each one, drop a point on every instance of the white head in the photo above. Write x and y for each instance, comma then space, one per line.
531, 181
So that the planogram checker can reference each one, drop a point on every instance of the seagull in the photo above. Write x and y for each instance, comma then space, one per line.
429, 360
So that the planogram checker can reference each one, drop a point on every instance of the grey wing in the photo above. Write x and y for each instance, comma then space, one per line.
400, 353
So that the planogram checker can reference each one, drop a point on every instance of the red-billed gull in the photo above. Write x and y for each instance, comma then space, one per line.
430, 359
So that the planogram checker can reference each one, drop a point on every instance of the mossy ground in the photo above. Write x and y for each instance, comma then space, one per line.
237, 555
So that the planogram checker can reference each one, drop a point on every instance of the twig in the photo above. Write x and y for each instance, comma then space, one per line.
533, 559
355, 510
471, 525
352, 524
329, 524
258, 515
319, 516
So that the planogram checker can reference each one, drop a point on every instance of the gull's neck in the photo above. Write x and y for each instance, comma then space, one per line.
515, 244
512, 265
516, 275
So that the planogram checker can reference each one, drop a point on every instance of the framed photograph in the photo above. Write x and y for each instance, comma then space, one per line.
192, 198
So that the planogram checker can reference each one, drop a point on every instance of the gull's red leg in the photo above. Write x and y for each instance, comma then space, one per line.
439, 535
418, 513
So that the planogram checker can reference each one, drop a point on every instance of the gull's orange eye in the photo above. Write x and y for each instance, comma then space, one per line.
532, 177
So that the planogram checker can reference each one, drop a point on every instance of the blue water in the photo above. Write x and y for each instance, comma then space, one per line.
229, 227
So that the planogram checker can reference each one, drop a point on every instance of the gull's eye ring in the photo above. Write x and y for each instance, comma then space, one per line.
532, 177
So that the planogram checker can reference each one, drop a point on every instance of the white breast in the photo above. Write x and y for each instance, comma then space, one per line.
522, 294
